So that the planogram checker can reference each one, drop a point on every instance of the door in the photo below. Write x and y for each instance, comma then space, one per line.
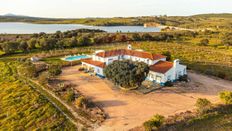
158, 79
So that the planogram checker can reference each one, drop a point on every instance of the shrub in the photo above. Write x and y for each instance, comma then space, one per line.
60, 87
226, 97
169, 84
81, 69
154, 123
43, 78
203, 105
70, 96
183, 78
54, 70
204, 42
81, 102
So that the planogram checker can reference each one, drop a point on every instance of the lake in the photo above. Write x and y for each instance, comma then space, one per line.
28, 28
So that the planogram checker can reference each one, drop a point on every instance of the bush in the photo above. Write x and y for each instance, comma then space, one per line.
70, 96
204, 42
81, 102
81, 69
183, 78
226, 97
154, 123
43, 78
203, 105
54, 70
168, 84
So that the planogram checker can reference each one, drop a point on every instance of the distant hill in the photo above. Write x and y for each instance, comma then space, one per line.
200, 20
222, 15
14, 15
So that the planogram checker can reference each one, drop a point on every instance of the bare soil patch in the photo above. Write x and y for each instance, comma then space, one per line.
127, 110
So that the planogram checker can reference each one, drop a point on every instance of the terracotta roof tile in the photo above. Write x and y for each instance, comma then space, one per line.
95, 63
140, 54
161, 67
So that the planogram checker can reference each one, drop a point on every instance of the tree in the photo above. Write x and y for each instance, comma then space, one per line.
147, 37
73, 42
9, 47
203, 105
84, 41
127, 73
23, 46
204, 42
226, 97
168, 55
121, 38
54, 70
31, 43
47, 43
60, 44
136, 37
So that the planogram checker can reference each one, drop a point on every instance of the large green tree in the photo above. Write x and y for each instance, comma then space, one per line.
9, 47
127, 73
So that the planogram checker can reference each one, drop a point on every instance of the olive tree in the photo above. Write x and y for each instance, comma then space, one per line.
127, 73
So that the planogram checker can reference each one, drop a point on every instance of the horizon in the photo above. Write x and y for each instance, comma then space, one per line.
13, 14
113, 8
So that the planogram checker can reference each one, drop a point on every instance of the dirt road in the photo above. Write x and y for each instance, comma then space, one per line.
127, 110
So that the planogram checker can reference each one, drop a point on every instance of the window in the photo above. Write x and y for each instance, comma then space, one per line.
151, 76
169, 78
98, 71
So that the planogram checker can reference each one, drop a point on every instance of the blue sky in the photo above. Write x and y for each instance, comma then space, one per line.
112, 8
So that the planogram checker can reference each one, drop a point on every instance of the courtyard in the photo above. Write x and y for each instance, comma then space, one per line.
126, 110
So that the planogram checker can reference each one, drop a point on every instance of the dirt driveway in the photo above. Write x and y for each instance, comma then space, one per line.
127, 110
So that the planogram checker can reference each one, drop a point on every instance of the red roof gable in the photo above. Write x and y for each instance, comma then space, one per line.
161, 67
140, 54
95, 63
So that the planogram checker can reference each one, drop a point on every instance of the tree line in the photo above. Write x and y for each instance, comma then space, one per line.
79, 38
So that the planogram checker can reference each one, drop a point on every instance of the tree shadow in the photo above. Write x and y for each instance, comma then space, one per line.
110, 103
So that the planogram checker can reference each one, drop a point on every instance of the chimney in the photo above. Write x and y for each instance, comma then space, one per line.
129, 47
176, 63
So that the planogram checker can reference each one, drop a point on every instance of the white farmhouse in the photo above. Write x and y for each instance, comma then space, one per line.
160, 72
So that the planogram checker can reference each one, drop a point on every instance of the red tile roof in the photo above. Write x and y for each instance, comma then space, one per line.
140, 54
161, 67
95, 63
